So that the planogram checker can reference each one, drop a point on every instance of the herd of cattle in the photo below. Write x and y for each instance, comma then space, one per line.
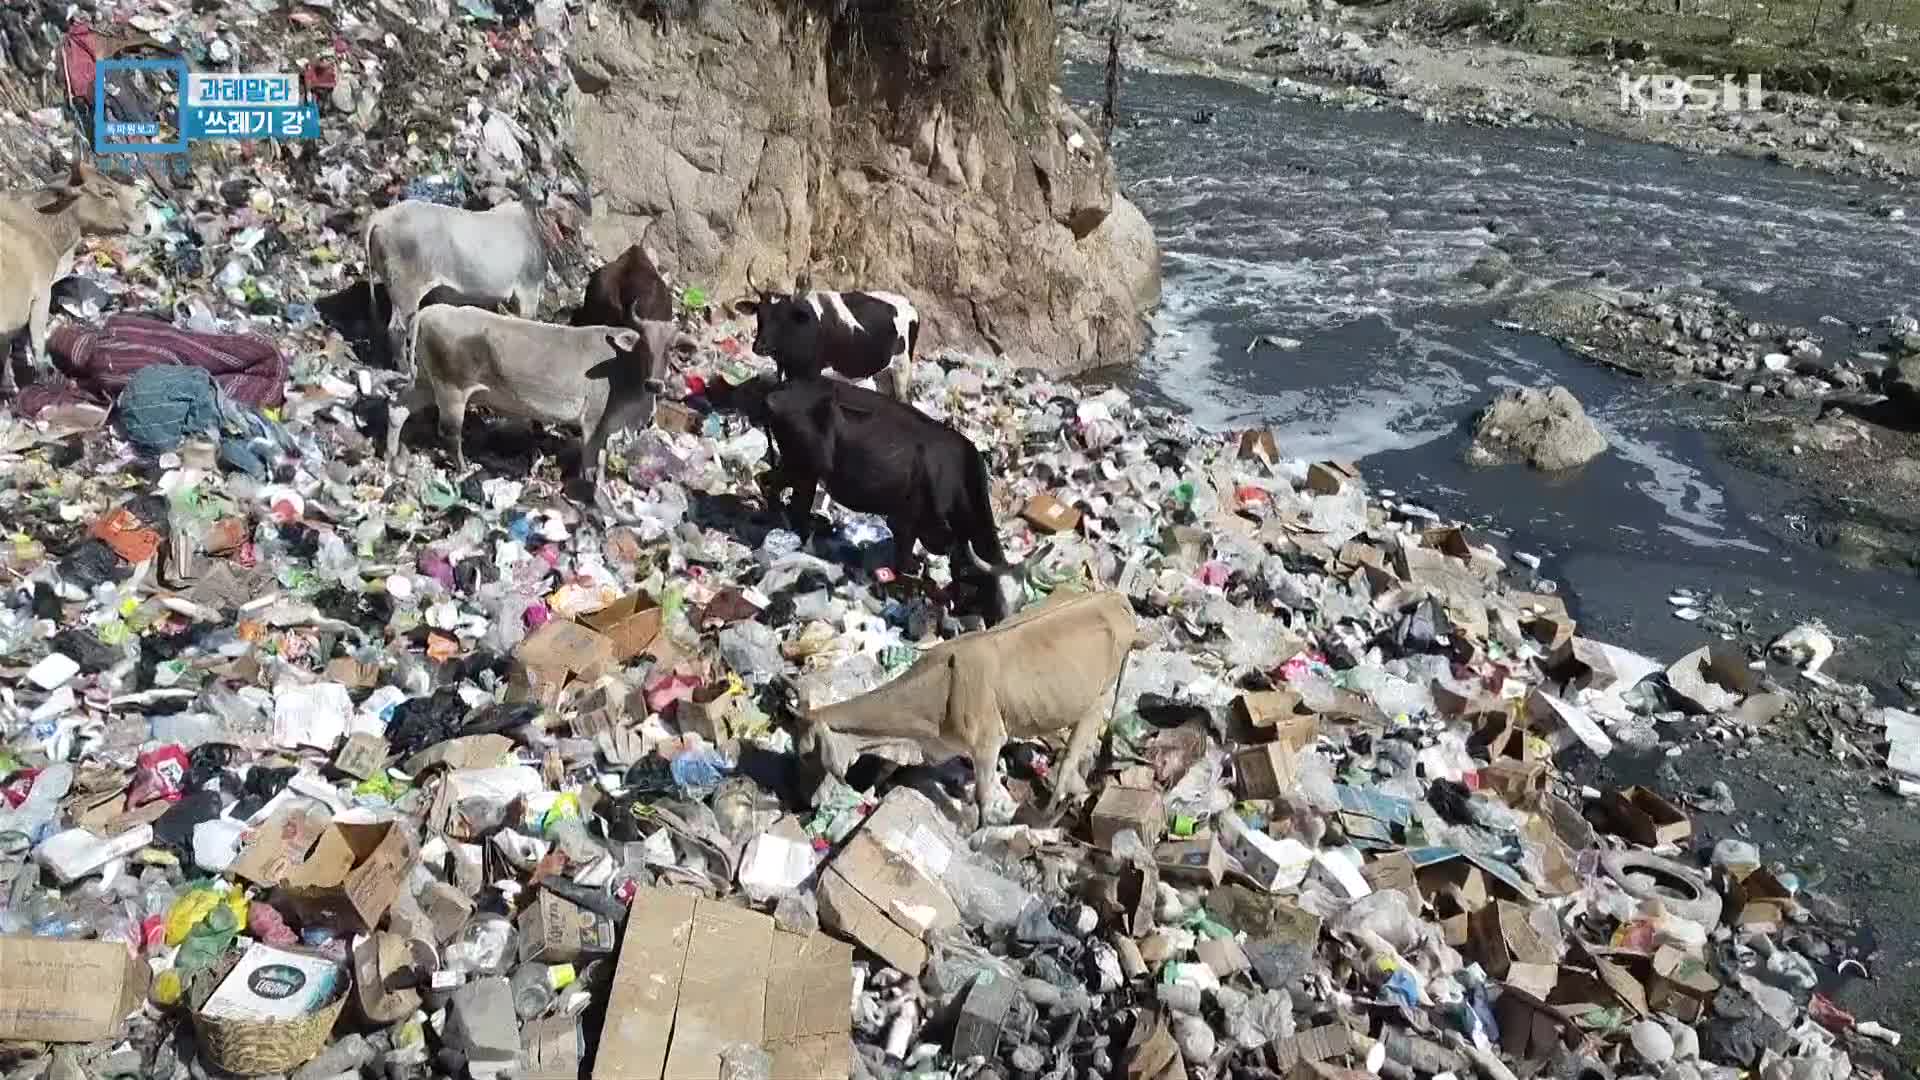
464, 285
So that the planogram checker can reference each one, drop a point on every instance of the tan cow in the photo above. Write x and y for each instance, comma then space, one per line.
1046, 669
39, 230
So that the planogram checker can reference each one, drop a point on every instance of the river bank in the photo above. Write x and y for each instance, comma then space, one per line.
1374, 58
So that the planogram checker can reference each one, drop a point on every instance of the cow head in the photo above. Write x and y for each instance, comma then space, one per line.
101, 207
999, 588
786, 326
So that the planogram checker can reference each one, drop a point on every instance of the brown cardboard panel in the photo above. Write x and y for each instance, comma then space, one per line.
1647, 818
630, 623
352, 874
729, 957
646, 987
54, 990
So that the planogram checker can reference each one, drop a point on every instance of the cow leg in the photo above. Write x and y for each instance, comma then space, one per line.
973, 717
417, 396
618, 416
905, 559
800, 505
526, 300
1072, 783
453, 421
37, 313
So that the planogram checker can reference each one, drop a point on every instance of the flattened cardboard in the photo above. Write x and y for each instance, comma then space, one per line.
809, 1006
1646, 818
881, 889
550, 1049
361, 756
55, 990
694, 975
631, 623
554, 656
465, 752
386, 991
352, 875
729, 953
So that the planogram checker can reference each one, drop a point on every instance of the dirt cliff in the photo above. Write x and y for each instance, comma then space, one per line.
917, 146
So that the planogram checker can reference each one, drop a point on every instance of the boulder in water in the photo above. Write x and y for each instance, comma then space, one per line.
1547, 429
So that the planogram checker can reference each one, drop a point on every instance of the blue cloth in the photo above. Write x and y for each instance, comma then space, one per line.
164, 404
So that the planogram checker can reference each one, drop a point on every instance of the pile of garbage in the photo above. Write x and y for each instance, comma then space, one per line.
321, 767
327, 767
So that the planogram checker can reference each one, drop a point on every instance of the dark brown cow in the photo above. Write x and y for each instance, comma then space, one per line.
629, 283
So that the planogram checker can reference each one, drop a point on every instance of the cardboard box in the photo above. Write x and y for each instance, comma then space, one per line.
1259, 446
1681, 985
1264, 772
1139, 809
352, 875
1273, 864
1520, 783
1395, 871
55, 990
555, 930
631, 623
883, 890
1503, 939
280, 844
1761, 902
1277, 716
555, 655
1198, 859
1049, 515
695, 976
1329, 477
675, 417
1644, 817
447, 908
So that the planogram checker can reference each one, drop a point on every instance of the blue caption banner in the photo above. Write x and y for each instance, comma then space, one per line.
206, 105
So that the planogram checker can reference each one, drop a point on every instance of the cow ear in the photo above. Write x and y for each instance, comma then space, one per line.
78, 175
745, 307
603, 369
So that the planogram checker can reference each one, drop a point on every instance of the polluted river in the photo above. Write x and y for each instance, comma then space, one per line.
1317, 282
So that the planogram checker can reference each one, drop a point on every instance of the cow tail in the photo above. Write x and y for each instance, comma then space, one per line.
913, 337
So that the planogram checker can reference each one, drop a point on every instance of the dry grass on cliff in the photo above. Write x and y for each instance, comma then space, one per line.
914, 53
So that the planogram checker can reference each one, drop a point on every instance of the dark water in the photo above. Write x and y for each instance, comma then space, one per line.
1349, 232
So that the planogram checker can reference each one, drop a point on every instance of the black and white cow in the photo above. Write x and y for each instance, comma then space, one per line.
859, 335
878, 456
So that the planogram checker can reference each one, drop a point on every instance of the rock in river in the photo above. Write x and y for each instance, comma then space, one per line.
1546, 428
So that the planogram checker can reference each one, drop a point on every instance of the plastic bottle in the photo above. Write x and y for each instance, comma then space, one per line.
34, 815
532, 992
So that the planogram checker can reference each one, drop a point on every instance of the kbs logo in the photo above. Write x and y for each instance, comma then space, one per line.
1696, 93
